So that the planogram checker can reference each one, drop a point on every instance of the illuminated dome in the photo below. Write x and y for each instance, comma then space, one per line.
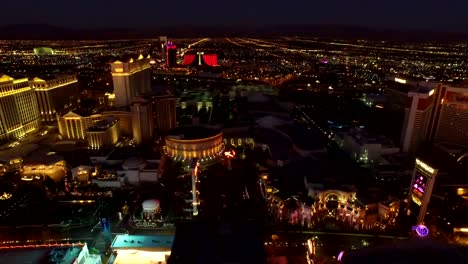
44, 51
186, 143
150, 205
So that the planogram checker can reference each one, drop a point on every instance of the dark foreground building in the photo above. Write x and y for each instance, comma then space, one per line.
412, 251
217, 243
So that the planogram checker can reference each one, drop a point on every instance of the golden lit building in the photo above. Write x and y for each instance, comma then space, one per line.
104, 133
125, 121
55, 94
131, 77
74, 126
187, 143
19, 112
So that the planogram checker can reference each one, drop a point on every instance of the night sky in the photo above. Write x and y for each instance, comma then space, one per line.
438, 15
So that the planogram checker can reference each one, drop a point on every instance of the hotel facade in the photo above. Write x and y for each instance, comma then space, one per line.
55, 95
73, 126
19, 112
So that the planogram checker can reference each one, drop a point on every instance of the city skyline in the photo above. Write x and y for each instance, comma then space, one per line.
397, 15
141, 140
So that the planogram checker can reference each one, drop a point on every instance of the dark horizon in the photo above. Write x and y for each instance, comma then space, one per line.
56, 32
429, 15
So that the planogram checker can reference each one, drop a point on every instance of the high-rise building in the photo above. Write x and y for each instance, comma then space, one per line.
164, 113
163, 39
142, 120
450, 124
418, 114
131, 77
55, 94
19, 112
171, 54
436, 113
162, 44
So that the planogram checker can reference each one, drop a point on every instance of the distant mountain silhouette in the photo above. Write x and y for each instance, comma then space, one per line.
45, 31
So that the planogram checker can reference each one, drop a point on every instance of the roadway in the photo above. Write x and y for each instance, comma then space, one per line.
352, 235
197, 42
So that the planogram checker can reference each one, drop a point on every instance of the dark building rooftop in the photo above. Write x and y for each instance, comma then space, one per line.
102, 125
412, 251
436, 157
193, 132
213, 243
39, 255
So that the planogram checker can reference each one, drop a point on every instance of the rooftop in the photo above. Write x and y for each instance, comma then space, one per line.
50, 77
102, 125
149, 242
412, 251
419, 86
129, 58
124, 153
215, 243
193, 132
6, 78
50, 254
436, 157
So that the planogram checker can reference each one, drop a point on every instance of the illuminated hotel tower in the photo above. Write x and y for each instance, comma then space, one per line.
437, 114
451, 117
19, 113
421, 187
171, 55
55, 94
131, 77
142, 120
418, 114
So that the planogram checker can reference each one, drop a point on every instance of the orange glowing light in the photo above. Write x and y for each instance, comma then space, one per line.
230, 154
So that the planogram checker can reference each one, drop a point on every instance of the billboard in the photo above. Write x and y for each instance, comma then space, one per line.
420, 190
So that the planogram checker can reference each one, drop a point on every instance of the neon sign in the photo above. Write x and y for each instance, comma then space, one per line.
425, 167
419, 186
421, 230
416, 200
340, 256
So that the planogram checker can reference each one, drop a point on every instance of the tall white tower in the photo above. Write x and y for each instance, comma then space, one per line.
194, 171
131, 77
